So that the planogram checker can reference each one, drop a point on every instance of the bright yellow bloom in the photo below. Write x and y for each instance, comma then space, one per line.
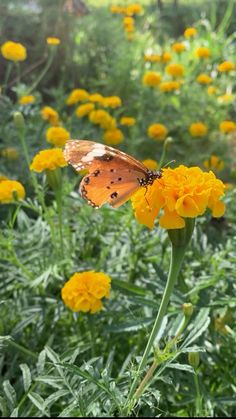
169, 86
57, 136
157, 131
77, 95
26, 100
118, 9
134, 9
50, 115
178, 47
227, 126
13, 51
211, 90
48, 160
225, 99
53, 41
214, 163
85, 109
85, 290
204, 79
128, 21
181, 193
203, 52
226, 67
151, 78
9, 188
128, 121
190, 32
99, 116
198, 129
151, 164
152, 58
113, 136
10, 153
96, 98
175, 70
111, 102
166, 57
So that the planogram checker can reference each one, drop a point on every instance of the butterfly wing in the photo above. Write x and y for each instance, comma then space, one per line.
113, 175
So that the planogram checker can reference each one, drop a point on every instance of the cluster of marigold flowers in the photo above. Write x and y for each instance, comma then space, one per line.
129, 12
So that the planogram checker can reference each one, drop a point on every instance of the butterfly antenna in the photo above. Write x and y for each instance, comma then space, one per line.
168, 163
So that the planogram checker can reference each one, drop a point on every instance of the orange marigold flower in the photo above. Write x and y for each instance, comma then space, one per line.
152, 58
180, 193
13, 51
151, 78
134, 9
203, 52
204, 79
53, 40
111, 102
190, 32
9, 190
113, 136
85, 290
166, 57
226, 67
128, 121
26, 100
57, 136
175, 70
128, 21
48, 160
157, 131
214, 163
198, 129
178, 47
227, 126
118, 9
151, 164
77, 95
85, 109
50, 115
169, 86
96, 98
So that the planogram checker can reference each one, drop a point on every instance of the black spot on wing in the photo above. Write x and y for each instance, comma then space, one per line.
106, 157
114, 195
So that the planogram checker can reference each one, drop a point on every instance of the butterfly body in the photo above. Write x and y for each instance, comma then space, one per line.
113, 177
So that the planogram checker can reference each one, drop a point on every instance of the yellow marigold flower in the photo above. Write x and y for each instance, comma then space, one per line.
128, 121
226, 67
96, 98
53, 40
85, 109
111, 101
180, 193
225, 99
151, 164
175, 70
27, 100
129, 29
134, 9
113, 136
190, 32
128, 21
203, 52
169, 86
9, 188
214, 163
50, 115
204, 79
99, 116
151, 78
227, 126
178, 47
211, 90
10, 153
166, 57
118, 9
152, 58
13, 51
48, 160
77, 95
198, 129
157, 131
84, 291
57, 136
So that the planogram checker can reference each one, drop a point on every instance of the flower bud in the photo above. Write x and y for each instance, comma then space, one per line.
194, 359
19, 121
54, 178
187, 309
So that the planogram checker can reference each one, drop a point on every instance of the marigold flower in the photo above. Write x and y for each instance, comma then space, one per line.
190, 32
99, 116
84, 291
85, 109
211, 90
57, 136
226, 67
134, 9
225, 99
48, 160
227, 126
166, 57
113, 136
151, 78
10, 153
152, 58
77, 95
118, 9
169, 86
26, 100
96, 98
53, 40
9, 188
181, 193
214, 163
111, 102
151, 164
128, 121
204, 79
178, 47
157, 131
198, 129
128, 21
13, 51
203, 52
175, 70
50, 115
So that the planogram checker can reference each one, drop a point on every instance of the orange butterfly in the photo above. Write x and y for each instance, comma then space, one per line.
113, 176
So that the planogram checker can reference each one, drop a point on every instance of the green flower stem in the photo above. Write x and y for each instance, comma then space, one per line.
198, 399
44, 71
8, 73
22, 349
58, 195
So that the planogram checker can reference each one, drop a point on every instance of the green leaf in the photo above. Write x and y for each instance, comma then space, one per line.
38, 402
27, 380
10, 393
126, 286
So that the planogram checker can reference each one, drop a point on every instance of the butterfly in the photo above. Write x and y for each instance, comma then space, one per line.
113, 176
